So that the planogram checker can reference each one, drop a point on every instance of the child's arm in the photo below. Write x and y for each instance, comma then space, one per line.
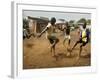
83, 37
43, 32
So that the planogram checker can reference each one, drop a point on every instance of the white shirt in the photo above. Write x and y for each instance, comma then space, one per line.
50, 31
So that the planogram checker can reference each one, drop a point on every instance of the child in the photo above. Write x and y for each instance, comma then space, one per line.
66, 30
50, 35
84, 38
26, 34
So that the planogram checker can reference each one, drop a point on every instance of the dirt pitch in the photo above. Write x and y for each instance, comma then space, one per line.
36, 53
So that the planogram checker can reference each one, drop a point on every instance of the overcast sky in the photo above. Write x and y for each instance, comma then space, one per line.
58, 15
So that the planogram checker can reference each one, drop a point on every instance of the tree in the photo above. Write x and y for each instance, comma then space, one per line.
89, 22
82, 20
71, 23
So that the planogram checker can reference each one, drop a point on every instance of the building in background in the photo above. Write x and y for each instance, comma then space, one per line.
36, 24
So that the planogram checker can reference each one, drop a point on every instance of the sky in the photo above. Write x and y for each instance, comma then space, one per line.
58, 15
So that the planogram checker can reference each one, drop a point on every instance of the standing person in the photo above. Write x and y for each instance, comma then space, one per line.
66, 30
50, 35
26, 30
84, 38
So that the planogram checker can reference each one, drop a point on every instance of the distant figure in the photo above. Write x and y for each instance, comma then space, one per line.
84, 38
26, 34
66, 29
50, 35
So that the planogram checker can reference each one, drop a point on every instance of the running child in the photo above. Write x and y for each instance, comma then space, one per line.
50, 35
84, 38
66, 30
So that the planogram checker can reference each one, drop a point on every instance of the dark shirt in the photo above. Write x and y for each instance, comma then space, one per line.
67, 31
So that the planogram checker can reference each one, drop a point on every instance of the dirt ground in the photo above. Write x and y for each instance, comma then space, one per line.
36, 53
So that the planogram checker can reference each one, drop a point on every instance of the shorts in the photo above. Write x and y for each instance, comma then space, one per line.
83, 43
52, 39
67, 37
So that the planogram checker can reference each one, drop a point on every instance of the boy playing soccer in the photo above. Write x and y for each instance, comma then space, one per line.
50, 35
84, 38
66, 30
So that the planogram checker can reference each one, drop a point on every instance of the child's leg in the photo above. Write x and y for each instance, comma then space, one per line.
80, 50
51, 43
64, 41
53, 46
29, 36
75, 45
33, 35
53, 50
83, 44
69, 42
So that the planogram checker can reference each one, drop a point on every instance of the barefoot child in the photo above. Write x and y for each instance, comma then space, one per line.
84, 38
50, 35
66, 30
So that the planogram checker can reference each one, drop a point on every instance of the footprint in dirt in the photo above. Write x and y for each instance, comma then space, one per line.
30, 45
86, 56
60, 56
